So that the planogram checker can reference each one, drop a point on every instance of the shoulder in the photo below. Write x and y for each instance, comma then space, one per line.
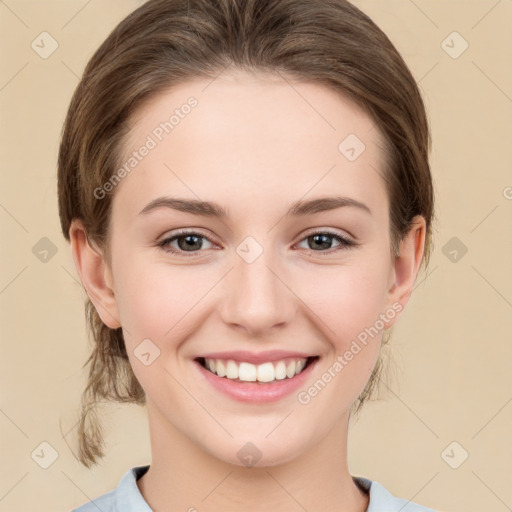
105, 503
126, 497
381, 500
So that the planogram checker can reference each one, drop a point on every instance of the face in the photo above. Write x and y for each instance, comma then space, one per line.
273, 284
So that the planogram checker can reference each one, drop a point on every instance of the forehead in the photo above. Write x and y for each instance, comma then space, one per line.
245, 135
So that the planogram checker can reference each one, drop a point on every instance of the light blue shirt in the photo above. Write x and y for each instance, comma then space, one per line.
126, 497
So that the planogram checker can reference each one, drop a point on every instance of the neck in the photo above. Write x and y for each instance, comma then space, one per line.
184, 477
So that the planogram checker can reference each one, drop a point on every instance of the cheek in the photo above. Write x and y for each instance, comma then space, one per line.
162, 301
156, 302
348, 315
152, 298
347, 299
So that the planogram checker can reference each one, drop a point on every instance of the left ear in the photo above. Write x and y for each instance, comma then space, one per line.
406, 265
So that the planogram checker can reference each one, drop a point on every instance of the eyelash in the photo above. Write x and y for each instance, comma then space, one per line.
345, 243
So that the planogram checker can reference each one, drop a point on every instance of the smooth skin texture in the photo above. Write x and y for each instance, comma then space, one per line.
255, 144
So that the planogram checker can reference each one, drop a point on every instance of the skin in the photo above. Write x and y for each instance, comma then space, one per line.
255, 144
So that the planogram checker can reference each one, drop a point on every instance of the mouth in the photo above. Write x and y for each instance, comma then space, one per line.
268, 372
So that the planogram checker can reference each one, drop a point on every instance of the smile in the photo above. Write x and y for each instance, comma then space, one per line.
257, 381
242, 371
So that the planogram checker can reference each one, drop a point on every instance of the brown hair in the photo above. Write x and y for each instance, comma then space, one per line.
165, 42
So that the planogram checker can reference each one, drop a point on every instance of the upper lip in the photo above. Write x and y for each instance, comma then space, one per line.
256, 357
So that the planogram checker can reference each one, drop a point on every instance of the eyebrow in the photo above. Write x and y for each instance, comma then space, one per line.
211, 209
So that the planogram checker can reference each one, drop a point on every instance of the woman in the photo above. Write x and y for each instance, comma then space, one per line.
246, 189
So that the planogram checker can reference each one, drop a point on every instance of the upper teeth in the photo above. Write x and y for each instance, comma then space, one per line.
265, 372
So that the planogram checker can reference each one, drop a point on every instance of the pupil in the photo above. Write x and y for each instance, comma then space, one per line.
188, 243
325, 240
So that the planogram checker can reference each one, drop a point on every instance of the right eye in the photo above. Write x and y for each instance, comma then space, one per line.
187, 242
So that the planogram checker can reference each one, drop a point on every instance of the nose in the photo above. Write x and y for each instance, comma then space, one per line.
256, 297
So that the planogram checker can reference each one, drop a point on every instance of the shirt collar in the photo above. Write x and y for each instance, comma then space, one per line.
129, 498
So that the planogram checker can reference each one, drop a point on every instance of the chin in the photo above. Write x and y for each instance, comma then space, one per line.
258, 453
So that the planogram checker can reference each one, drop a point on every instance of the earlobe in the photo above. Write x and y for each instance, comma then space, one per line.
95, 275
406, 266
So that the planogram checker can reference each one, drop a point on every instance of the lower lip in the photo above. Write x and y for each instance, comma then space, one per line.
257, 392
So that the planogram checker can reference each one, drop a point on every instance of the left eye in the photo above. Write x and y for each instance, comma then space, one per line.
191, 242
322, 238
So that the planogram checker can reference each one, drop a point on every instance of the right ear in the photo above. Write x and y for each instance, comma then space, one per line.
95, 274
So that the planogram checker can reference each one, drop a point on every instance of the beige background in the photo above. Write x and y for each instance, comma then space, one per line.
452, 347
